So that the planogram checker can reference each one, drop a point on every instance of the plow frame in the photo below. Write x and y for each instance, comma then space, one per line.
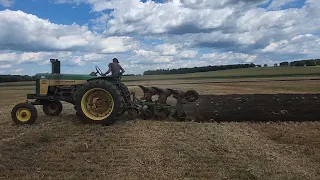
159, 109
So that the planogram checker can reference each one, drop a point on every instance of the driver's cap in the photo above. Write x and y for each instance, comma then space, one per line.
115, 59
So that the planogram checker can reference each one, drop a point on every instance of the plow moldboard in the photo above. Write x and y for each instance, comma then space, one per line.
256, 107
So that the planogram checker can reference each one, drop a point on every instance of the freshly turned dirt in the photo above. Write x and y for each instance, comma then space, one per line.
256, 107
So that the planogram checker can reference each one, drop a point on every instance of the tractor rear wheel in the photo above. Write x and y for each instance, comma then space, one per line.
125, 98
98, 102
52, 108
24, 113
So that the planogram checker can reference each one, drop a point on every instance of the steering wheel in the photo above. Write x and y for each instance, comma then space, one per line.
99, 71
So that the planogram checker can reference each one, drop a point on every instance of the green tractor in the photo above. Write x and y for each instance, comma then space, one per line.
97, 99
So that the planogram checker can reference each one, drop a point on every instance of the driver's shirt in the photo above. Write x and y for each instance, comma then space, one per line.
115, 69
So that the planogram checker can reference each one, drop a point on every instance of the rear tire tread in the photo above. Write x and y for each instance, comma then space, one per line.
111, 88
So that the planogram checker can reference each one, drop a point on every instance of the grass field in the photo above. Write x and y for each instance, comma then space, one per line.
63, 148
238, 73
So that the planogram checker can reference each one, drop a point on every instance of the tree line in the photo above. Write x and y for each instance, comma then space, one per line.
310, 62
16, 78
197, 69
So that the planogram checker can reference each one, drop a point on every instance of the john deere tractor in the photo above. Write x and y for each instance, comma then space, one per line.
97, 98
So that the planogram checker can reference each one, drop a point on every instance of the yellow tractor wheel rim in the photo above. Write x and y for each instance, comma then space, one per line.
97, 104
23, 114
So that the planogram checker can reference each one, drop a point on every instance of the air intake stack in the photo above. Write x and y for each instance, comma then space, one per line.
55, 63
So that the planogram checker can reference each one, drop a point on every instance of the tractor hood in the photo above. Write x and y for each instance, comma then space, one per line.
64, 76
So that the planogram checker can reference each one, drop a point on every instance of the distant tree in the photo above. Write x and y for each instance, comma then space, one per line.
197, 69
16, 78
300, 63
311, 62
292, 64
265, 65
284, 63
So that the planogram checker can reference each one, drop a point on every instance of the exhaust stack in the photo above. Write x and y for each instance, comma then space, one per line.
55, 64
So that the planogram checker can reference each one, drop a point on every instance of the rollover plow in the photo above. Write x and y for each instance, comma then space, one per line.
151, 107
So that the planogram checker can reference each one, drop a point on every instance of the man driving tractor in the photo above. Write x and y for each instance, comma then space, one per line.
115, 68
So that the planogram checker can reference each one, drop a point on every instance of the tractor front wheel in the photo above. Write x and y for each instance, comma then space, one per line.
24, 113
52, 108
98, 102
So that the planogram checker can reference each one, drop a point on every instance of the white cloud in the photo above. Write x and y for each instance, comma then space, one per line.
8, 57
100, 23
101, 5
306, 44
228, 57
225, 25
188, 54
167, 49
6, 3
67, 58
163, 53
232, 24
17, 70
218, 4
277, 4
145, 53
117, 44
156, 18
5, 66
26, 32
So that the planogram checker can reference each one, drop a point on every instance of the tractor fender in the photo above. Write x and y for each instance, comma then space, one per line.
105, 78
108, 78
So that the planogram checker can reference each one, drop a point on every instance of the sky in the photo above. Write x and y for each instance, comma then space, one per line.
154, 34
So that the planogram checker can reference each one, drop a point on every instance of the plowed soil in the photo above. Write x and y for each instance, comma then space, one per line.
256, 107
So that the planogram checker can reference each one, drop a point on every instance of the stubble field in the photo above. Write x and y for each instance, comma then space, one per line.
222, 144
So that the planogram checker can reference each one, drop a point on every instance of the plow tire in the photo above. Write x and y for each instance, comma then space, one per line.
133, 113
146, 114
192, 96
52, 108
106, 91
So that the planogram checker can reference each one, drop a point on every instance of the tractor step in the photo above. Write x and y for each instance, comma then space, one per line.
66, 87
34, 96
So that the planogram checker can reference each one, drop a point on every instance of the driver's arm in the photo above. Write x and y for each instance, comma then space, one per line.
108, 70
122, 69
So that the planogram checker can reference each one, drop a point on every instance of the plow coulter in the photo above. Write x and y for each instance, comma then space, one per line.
151, 107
